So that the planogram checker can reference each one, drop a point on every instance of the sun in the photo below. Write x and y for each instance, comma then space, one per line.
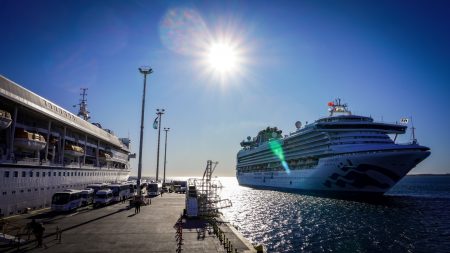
222, 57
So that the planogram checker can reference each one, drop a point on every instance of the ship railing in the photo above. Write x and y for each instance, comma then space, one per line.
28, 161
73, 165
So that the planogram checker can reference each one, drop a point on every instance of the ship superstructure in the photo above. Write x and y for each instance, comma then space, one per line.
45, 149
341, 153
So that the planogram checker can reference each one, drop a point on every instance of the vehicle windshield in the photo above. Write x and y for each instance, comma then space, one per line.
115, 191
152, 188
61, 198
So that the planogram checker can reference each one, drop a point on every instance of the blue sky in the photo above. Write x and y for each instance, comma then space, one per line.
387, 59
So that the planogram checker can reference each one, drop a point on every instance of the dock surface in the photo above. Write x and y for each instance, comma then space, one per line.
116, 228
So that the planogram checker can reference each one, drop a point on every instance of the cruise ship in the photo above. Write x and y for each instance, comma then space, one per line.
46, 149
341, 153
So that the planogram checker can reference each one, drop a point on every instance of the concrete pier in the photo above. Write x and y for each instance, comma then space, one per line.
159, 227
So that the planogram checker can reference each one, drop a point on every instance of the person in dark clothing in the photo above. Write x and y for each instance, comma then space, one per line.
38, 231
137, 205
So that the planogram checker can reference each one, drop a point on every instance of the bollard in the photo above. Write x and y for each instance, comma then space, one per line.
235, 250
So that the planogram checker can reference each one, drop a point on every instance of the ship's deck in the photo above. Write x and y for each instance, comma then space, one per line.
116, 228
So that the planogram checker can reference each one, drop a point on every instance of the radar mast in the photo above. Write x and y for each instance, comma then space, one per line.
83, 111
337, 108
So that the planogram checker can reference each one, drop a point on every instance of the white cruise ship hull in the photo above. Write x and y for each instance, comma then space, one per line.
35, 158
21, 193
371, 173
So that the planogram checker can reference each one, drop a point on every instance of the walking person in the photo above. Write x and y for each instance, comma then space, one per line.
138, 204
38, 231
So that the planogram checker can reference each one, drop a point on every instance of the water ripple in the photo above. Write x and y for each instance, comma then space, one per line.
411, 219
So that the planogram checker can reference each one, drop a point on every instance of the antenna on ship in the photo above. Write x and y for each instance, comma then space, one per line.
338, 108
413, 133
83, 112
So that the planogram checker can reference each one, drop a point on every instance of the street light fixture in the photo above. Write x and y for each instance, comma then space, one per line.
145, 71
159, 112
165, 153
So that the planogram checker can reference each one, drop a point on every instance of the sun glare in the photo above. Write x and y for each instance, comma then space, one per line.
221, 54
222, 57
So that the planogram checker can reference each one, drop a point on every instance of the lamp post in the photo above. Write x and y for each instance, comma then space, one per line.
165, 153
145, 71
159, 112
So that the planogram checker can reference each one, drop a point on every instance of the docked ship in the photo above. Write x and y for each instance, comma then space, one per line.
341, 153
46, 149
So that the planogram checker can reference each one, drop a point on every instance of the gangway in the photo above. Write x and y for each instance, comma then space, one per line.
202, 198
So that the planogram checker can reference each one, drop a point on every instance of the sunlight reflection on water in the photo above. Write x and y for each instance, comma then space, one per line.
292, 222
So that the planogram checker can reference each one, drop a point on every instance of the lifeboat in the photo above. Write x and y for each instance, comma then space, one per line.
5, 119
73, 150
104, 156
29, 141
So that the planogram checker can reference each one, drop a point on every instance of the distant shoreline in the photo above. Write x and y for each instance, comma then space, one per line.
446, 174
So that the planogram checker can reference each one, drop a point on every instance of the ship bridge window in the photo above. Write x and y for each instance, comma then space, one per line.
31, 173
43, 174
37, 174
59, 173
24, 174
16, 174
6, 174
64, 173
54, 174
49, 174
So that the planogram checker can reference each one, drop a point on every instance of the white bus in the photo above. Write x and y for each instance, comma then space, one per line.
103, 197
66, 201
87, 196
154, 189
97, 187
120, 191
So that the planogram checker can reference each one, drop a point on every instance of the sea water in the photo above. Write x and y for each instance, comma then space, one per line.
414, 216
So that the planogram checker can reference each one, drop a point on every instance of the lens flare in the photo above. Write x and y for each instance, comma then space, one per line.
184, 31
219, 52
277, 150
